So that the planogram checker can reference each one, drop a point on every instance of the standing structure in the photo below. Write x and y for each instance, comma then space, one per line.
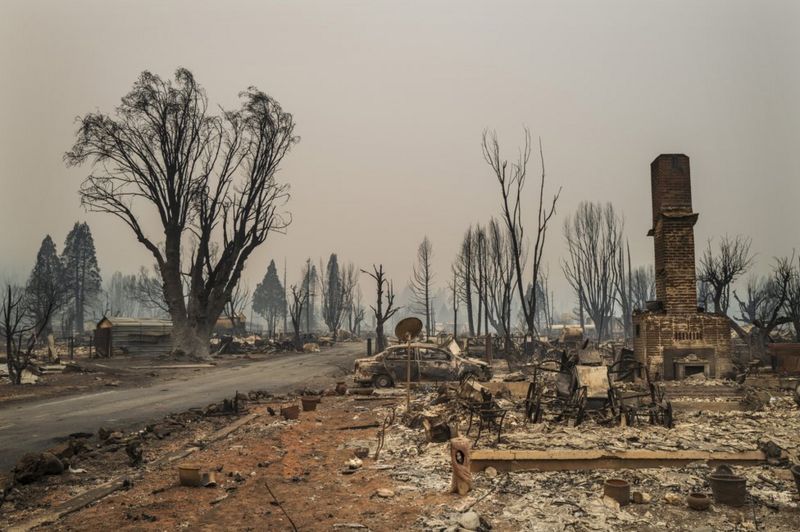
673, 337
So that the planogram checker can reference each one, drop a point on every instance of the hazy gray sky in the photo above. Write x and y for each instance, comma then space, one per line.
390, 99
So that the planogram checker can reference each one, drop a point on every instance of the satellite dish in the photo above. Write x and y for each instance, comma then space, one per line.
408, 328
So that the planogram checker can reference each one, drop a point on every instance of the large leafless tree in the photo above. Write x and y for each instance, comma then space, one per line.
764, 305
511, 178
24, 317
463, 276
793, 299
209, 178
422, 282
478, 275
593, 236
384, 292
297, 300
721, 269
624, 289
499, 279
643, 285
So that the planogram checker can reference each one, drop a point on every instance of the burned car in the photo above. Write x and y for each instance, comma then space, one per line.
428, 363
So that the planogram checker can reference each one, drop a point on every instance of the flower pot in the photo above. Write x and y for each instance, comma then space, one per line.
618, 489
728, 488
189, 475
698, 501
310, 402
290, 412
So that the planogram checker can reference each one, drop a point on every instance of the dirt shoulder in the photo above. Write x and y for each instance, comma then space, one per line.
89, 375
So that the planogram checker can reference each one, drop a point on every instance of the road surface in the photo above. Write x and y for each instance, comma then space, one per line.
36, 426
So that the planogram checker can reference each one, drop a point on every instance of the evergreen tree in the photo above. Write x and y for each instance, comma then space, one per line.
46, 288
332, 295
82, 274
269, 298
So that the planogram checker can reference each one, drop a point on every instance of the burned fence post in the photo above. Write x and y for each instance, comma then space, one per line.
460, 460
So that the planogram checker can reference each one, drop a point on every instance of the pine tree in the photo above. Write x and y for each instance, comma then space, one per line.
46, 288
269, 298
81, 271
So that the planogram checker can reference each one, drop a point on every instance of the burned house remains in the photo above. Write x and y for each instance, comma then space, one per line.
674, 338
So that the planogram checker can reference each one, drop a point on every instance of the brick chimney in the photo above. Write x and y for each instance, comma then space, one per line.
673, 232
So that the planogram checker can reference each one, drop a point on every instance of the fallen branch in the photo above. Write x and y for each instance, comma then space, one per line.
372, 425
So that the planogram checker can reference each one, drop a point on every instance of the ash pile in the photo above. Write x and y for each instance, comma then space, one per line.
585, 441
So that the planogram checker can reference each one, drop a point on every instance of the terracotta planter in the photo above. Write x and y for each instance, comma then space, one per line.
698, 501
618, 489
290, 412
310, 402
189, 475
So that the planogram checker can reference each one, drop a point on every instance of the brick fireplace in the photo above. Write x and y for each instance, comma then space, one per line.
673, 337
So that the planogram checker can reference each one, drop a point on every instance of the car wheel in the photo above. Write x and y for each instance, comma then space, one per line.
382, 381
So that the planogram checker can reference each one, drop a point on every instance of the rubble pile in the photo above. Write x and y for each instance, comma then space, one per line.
565, 500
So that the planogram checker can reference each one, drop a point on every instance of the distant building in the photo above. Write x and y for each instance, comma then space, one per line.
133, 336
673, 337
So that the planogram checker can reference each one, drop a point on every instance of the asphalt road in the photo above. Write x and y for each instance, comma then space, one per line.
36, 426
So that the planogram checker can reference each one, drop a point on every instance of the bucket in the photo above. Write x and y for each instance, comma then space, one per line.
728, 488
290, 412
310, 402
795, 469
617, 489
698, 501
189, 475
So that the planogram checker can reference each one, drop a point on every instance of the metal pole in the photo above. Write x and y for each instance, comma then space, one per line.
408, 373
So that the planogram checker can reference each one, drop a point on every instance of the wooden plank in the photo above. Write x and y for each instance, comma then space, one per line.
571, 459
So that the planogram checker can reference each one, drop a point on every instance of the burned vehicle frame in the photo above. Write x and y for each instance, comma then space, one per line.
428, 363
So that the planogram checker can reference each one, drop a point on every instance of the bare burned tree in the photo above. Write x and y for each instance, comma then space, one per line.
478, 275
643, 284
148, 291
499, 279
298, 300
421, 281
454, 297
356, 312
764, 305
22, 321
384, 290
593, 236
721, 270
512, 182
793, 300
210, 179
463, 276
544, 307
624, 289
235, 307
